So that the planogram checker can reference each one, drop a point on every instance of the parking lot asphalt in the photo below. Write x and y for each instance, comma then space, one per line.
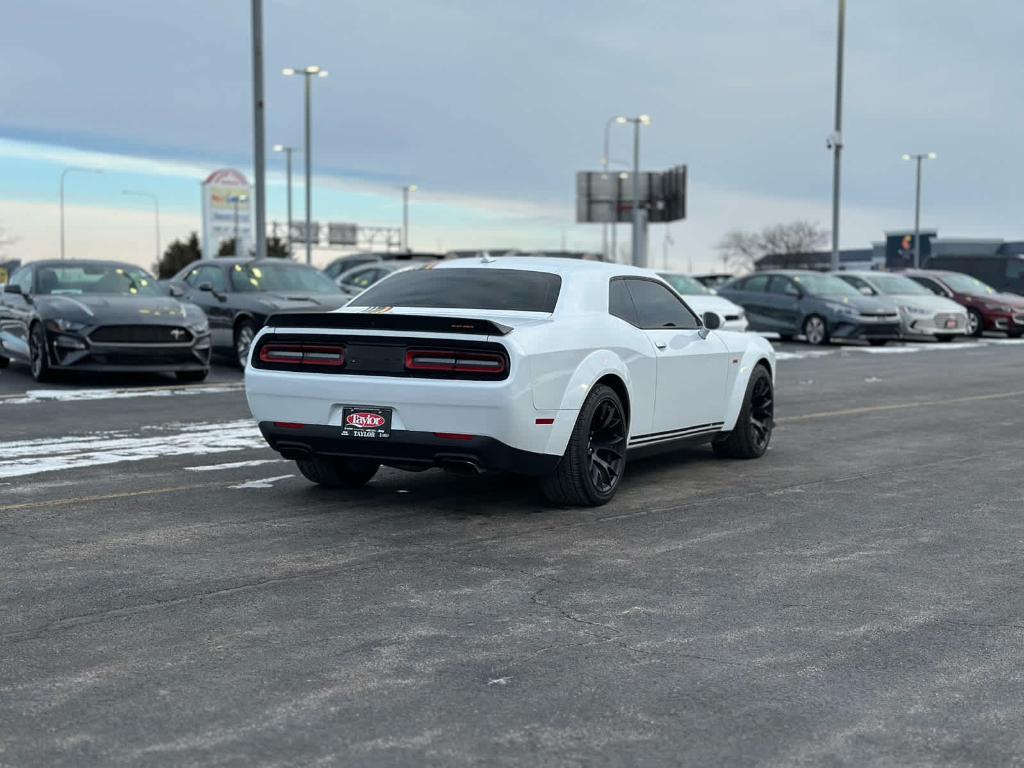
173, 594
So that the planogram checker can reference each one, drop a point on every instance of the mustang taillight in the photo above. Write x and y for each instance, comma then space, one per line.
454, 361
303, 354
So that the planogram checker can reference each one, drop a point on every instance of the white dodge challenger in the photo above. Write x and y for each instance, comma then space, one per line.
549, 367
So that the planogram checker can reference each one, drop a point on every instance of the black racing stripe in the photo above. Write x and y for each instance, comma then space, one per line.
656, 437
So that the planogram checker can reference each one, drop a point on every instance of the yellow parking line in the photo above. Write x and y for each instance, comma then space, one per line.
897, 406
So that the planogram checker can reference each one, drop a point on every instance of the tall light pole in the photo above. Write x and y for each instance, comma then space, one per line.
64, 173
259, 142
156, 213
917, 203
605, 160
639, 259
618, 201
308, 73
405, 214
288, 165
835, 141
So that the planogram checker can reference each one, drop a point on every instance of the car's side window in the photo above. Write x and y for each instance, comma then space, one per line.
757, 283
783, 285
657, 306
212, 275
620, 303
928, 283
23, 279
859, 284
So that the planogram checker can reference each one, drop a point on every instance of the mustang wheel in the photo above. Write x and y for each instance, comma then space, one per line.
975, 325
244, 334
37, 355
338, 473
815, 330
593, 463
753, 431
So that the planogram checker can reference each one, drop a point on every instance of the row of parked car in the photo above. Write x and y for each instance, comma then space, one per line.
874, 306
115, 317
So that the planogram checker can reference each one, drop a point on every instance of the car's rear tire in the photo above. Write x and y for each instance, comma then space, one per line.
192, 377
816, 330
750, 437
975, 323
245, 332
594, 460
878, 342
338, 472
39, 358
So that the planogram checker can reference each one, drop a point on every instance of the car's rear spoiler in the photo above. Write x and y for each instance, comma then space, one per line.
388, 322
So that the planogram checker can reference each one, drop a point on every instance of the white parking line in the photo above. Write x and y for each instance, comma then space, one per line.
266, 482
77, 395
30, 457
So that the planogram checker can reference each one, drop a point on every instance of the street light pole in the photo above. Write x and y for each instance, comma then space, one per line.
64, 173
308, 72
639, 259
156, 213
288, 165
917, 203
836, 139
405, 214
605, 160
259, 140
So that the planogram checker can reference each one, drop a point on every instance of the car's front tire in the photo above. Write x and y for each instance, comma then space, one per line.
816, 330
192, 377
591, 467
975, 323
750, 437
338, 472
39, 359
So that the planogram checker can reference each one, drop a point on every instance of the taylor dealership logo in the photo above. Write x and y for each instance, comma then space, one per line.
364, 420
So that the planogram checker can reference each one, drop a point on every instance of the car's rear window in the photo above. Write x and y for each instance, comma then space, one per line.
517, 290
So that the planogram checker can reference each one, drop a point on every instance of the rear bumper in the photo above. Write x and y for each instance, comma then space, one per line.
407, 449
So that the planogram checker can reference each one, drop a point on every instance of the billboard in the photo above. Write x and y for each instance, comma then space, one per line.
608, 196
899, 249
227, 211
339, 233
299, 232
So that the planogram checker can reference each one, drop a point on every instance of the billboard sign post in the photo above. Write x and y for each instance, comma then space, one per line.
227, 209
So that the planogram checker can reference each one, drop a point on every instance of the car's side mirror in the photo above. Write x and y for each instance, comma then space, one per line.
205, 287
712, 320
866, 291
176, 291
13, 288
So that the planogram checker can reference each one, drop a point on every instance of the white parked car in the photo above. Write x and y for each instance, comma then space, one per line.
540, 366
922, 313
702, 299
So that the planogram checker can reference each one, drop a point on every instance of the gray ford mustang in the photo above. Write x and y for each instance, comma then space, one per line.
99, 316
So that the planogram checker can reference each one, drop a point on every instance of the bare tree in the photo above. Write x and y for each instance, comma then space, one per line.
790, 242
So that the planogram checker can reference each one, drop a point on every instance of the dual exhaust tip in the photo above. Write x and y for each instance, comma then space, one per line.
460, 465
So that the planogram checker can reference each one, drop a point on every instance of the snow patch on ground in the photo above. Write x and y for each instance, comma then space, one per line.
53, 454
77, 395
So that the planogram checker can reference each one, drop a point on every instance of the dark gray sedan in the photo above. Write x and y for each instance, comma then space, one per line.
818, 306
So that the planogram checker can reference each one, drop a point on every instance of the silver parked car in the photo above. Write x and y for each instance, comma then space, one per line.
922, 313
356, 280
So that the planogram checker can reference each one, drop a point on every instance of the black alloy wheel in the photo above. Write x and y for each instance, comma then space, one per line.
594, 461
750, 437
39, 360
606, 447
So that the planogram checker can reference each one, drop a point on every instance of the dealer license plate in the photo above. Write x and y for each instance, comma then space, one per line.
368, 422
951, 323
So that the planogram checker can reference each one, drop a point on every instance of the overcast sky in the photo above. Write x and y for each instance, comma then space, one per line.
491, 107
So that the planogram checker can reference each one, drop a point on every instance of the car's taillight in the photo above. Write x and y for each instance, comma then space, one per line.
454, 361
303, 354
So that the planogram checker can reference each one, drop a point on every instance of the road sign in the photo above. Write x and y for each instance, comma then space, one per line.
342, 234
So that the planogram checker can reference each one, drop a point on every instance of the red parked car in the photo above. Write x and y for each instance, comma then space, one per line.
987, 308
